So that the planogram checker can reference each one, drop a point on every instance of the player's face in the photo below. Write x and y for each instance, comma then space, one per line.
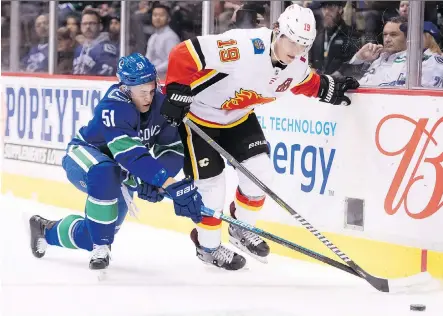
286, 50
394, 39
143, 95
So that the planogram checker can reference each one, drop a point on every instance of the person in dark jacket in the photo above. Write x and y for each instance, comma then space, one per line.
335, 43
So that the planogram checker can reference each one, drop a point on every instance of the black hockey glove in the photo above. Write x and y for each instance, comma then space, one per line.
149, 192
177, 103
333, 90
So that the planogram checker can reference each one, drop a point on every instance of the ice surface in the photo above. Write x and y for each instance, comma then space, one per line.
155, 272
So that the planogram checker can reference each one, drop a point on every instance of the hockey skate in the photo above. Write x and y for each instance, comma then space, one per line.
100, 257
38, 225
222, 257
247, 241
101, 254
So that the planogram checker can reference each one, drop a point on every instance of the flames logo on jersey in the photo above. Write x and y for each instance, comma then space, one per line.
245, 98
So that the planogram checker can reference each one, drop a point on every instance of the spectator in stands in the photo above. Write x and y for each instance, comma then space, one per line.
114, 31
431, 38
162, 41
106, 13
97, 56
387, 62
245, 18
37, 58
226, 18
65, 49
403, 10
335, 43
186, 19
376, 14
141, 27
73, 24
5, 35
66, 10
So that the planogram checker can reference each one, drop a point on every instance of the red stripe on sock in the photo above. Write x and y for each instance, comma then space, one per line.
211, 221
243, 199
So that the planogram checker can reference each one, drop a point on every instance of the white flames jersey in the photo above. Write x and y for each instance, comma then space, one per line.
231, 73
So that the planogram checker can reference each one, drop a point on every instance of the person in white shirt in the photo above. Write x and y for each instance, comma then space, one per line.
388, 66
162, 41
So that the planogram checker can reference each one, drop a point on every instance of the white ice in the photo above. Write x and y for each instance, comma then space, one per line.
155, 272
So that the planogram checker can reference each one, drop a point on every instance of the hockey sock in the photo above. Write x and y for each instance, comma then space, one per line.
101, 218
61, 234
209, 232
247, 208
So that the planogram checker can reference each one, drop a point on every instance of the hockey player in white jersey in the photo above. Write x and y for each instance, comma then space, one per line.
217, 80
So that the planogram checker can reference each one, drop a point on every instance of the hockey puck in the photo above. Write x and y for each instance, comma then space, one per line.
418, 307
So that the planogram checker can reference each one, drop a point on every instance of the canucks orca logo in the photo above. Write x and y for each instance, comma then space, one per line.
121, 63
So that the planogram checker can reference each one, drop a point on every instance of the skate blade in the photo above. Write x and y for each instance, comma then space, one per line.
102, 275
245, 250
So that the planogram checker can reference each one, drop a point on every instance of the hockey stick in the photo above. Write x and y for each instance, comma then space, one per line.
281, 241
381, 284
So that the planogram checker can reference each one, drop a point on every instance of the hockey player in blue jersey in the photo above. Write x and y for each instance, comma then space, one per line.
110, 155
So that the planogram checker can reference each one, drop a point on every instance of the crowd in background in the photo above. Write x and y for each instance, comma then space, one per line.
358, 38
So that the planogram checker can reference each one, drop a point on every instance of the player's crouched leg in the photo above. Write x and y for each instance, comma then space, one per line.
100, 178
104, 187
249, 200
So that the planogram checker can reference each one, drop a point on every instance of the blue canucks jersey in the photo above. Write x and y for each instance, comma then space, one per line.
37, 59
144, 144
96, 58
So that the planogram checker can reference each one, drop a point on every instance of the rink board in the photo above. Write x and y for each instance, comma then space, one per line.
379, 258
382, 154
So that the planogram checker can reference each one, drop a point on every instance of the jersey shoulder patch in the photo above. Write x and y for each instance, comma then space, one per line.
117, 95
259, 46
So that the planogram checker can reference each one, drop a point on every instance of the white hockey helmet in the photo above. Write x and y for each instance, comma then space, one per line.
298, 24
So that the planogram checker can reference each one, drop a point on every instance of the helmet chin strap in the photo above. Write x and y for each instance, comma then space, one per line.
274, 40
